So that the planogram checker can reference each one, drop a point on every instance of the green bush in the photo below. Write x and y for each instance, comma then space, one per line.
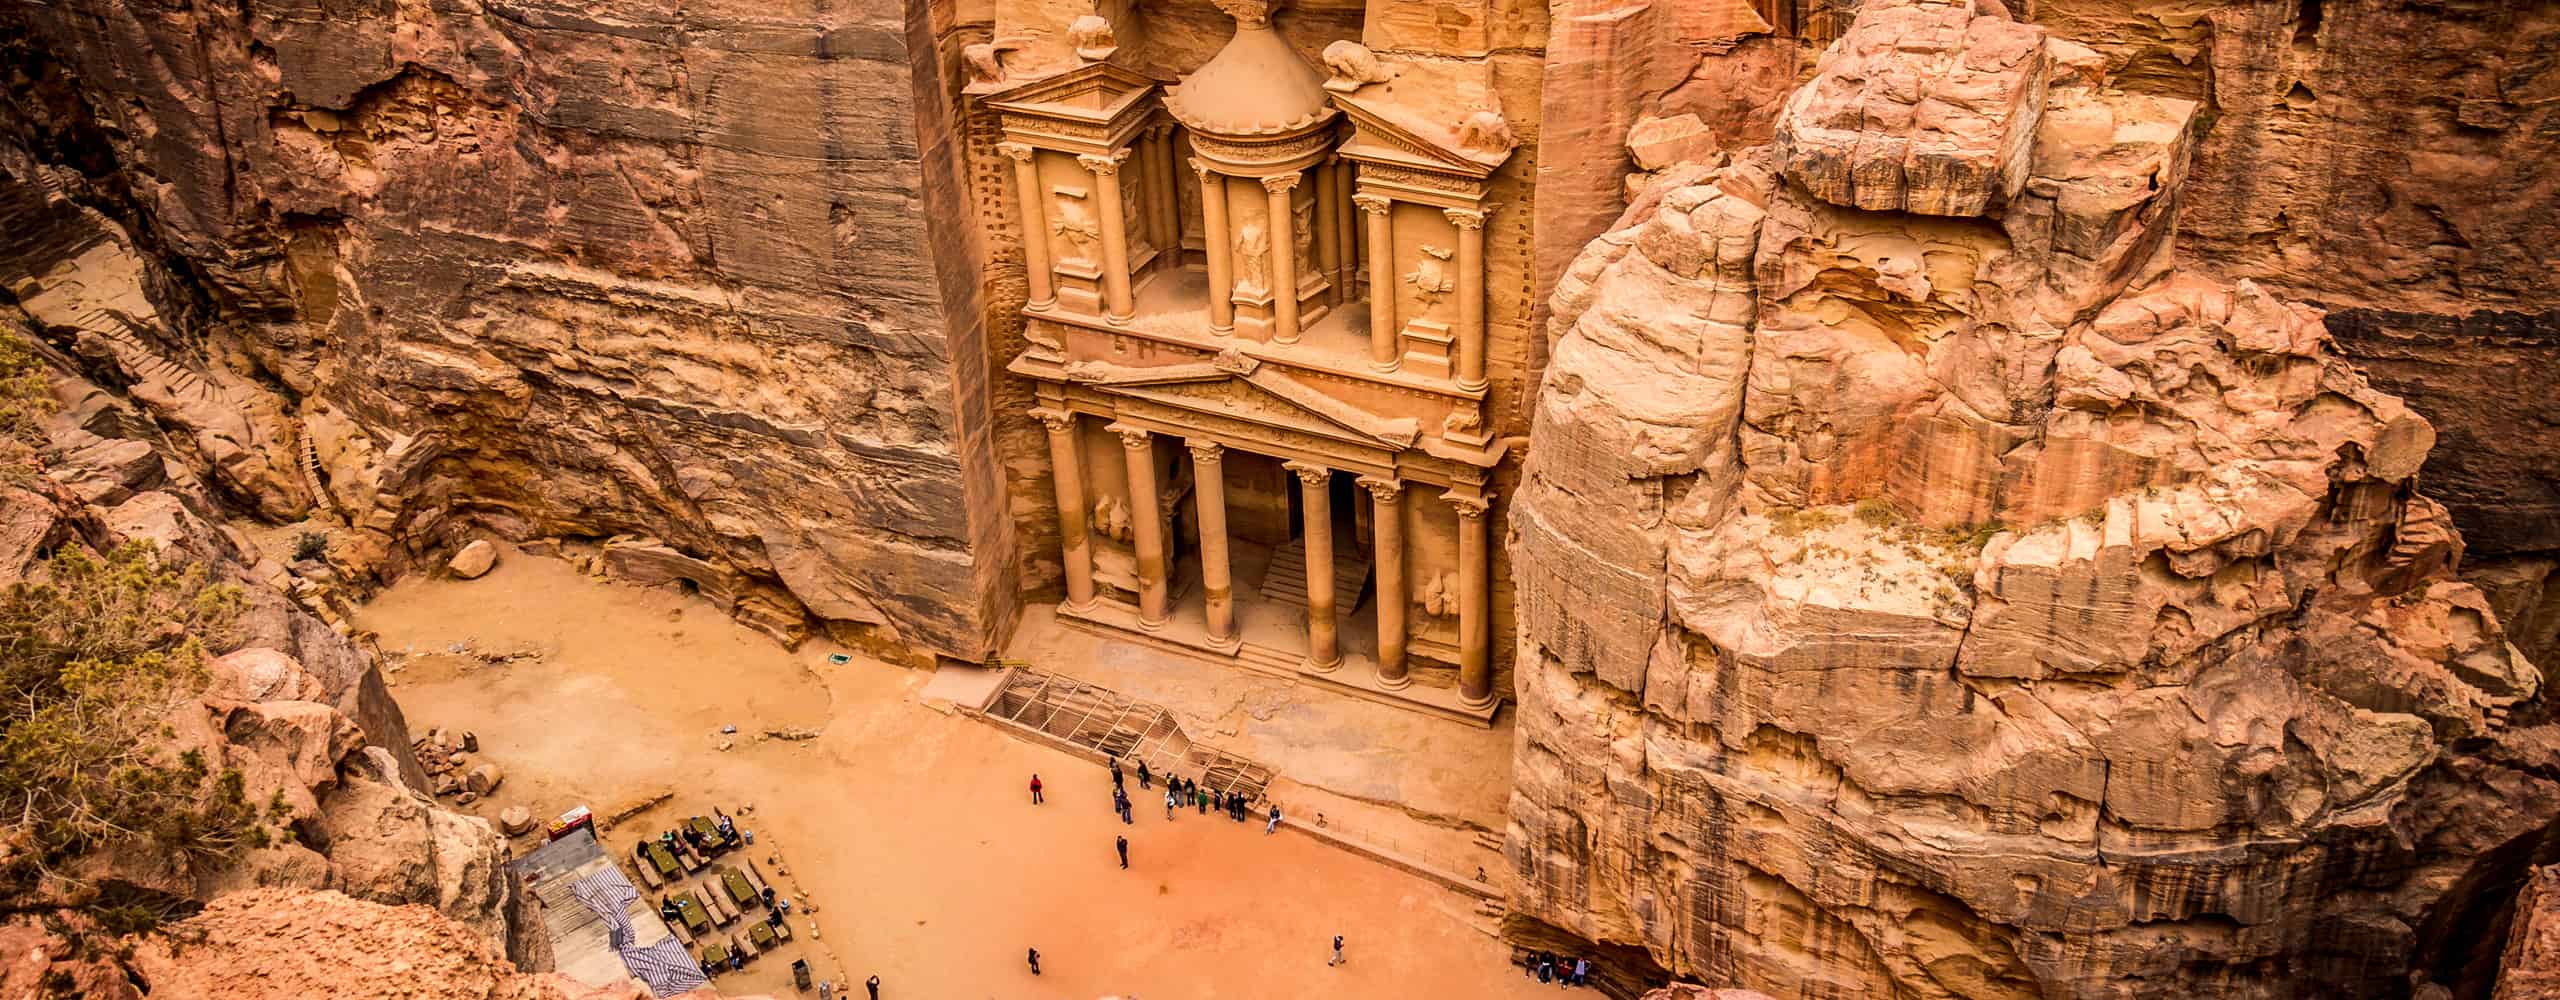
310, 545
24, 402
92, 654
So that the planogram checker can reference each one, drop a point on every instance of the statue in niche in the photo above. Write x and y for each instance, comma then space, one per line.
1253, 259
1430, 276
1437, 597
1111, 519
1302, 228
1077, 224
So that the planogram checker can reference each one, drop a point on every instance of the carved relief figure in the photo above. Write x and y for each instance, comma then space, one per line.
1352, 66
1253, 259
1430, 276
1486, 132
1437, 597
985, 63
1092, 37
1077, 224
1111, 519
1302, 228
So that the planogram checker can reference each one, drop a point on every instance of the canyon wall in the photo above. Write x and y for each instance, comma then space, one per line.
1935, 585
658, 270
2380, 159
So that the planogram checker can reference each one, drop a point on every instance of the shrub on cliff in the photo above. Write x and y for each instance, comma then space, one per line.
23, 405
93, 651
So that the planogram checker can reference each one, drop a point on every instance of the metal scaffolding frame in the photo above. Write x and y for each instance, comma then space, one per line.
1098, 719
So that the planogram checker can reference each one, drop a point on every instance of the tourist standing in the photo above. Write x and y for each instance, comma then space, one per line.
873, 984
1035, 961
1035, 790
1143, 776
1201, 799
1337, 951
1275, 820
1581, 969
1170, 802
1546, 969
1122, 844
1115, 771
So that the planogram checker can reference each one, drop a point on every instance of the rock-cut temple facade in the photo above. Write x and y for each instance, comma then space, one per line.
1272, 323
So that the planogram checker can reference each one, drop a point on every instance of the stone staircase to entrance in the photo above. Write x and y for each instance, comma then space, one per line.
1286, 581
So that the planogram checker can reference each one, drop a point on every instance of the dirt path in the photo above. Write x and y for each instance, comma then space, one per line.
911, 829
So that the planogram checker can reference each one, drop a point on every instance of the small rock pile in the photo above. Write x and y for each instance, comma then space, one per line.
453, 766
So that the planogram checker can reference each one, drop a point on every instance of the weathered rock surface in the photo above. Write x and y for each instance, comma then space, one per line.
474, 560
1930, 606
281, 944
443, 270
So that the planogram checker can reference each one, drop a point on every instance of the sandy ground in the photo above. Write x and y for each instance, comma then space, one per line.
909, 828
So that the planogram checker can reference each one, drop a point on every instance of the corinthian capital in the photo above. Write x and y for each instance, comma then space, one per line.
1205, 452
1132, 438
1374, 204
1469, 507
1315, 476
1280, 183
1104, 164
1020, 152
1385, 490
1465, 218
1058, 422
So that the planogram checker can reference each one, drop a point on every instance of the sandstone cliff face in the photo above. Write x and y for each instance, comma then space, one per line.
2381, 159
1930, 590
551, 269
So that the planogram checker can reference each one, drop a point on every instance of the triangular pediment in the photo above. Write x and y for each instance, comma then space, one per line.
1241, 387
1096, 92
1383, 125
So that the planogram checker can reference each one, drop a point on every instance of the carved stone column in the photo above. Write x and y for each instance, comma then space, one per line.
1209, 490
1328, 250
1284, 258
1166, 211
1222, 269
1475, 611
1146, 521
1066, 472
1324, 652
1346, 232
1116, 305
1470, 225
1035, 225
1382, 284
1387, 524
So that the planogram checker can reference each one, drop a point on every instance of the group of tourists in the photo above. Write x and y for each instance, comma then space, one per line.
1550, 967
1179, 792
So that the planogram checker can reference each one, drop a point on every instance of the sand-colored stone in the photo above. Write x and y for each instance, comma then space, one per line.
1935, 606
474, 559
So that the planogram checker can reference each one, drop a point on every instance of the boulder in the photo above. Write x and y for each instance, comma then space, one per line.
474, 560
515, 821
483, 779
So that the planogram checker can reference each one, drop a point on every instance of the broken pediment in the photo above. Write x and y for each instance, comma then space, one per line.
1253, 391
1095, 101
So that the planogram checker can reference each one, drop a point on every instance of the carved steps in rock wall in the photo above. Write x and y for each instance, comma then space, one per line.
1286, 582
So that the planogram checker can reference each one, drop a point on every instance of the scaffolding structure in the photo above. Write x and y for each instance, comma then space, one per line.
1097, 719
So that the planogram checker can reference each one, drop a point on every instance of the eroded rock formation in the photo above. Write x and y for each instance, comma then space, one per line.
1983, 605
652, 271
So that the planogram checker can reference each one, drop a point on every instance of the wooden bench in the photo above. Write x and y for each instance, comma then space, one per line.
721, 911
695, 919
738, 889
756, 878
677, 928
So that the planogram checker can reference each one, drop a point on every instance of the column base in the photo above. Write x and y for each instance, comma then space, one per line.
1085, 608
1385, 366
1324, 667
1153, 626
1228, 330
1475, 386
1118, 320
1042, 305
1488, 701
1395, 683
